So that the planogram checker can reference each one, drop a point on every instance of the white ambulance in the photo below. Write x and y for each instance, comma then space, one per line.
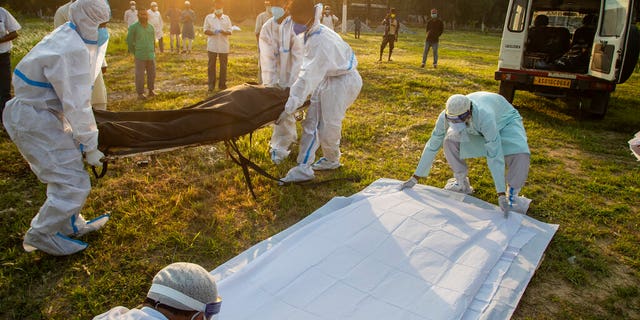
578, 50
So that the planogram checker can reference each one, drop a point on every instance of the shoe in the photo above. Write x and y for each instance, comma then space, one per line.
435, 66
299, 173
422, 65
79, 226
141, 97
222, 87
151, 93
325, 164
278, 156
53, 244
521, 204
464, 187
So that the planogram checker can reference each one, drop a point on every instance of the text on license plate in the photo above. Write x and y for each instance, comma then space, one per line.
552, 82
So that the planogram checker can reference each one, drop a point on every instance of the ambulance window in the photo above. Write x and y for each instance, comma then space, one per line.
613, 19
518, 15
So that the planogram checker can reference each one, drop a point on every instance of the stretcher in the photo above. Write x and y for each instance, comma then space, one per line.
225, 116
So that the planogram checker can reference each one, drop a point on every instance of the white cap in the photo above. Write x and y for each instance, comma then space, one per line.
153, 4
132, 3
184, 285
457, 104
187, 3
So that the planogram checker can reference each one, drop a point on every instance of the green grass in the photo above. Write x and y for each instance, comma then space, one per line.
192, 205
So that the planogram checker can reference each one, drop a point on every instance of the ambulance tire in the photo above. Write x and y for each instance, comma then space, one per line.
631, 54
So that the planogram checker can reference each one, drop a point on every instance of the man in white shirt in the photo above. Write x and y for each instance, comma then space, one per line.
9, 27
131, 15
155, 19
217, 27
328, 18
262, 18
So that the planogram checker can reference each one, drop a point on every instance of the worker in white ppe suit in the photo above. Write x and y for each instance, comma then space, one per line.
481, 124
99, 93
180, 290
281, 52
329, 74
51, 122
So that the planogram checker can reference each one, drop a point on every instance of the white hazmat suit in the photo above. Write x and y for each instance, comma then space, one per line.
329, 74
281, 54
51, 122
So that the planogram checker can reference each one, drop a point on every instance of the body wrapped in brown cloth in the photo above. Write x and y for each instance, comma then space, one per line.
226, 115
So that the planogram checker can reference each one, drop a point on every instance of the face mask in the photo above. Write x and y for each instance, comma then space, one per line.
277, 12
393, 16
433, 15
218, 12
133, 8
268, 8
299, 28
103, 36
457, 127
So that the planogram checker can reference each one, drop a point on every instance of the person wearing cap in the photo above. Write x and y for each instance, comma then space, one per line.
141, 38
480, 124
329, 74
329, 19
187, 16
51, 122
217, 28
131, 14
281, 53
262, 18
391, 28
181, 290
435, 27
155, 19
173, 14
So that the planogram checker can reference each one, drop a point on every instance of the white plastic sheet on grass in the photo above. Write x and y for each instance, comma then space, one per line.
423, 253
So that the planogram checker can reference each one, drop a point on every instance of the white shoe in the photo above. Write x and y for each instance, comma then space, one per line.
464, 187
521, 204
79, 226
325, 164
278, 156
53, 244
299, 173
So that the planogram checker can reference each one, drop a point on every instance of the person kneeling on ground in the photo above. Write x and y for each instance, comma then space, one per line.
181, 290
476, 125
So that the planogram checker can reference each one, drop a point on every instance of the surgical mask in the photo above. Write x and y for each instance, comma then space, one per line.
277, 12
433, 15
103, 36
457, 127
393, 16
218, 12
133, 8
299, 28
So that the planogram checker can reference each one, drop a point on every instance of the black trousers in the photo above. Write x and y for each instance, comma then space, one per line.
5, 80
211, 70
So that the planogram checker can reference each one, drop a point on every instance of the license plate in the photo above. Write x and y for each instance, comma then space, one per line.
552, 82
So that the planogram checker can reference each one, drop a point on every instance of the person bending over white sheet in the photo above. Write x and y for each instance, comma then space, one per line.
329, 74
51, 122
281, 54
179, 291
481, 124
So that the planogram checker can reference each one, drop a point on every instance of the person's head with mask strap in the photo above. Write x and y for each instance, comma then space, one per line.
458, 113
88, 15
304, 14
277, 9
392, 13
132, 5
267, 6
218, 8
184, 290
434, 13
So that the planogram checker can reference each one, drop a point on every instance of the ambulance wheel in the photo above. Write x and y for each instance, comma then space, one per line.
507, 90
632, 51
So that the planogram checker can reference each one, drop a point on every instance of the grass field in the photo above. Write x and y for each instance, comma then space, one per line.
192, 205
